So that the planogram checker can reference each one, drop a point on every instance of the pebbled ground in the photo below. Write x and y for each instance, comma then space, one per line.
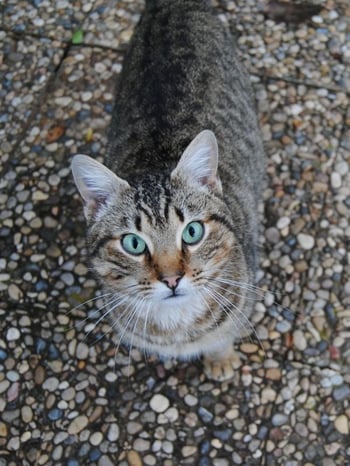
66, 398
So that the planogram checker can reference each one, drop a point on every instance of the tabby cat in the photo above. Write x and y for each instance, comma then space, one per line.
172, 222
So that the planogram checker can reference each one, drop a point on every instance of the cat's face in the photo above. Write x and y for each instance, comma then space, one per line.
165, 251
162, 258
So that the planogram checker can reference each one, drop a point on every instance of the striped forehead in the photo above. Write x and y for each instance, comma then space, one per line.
152, 200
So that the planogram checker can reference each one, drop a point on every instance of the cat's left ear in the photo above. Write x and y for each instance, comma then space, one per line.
199, 162
97, 185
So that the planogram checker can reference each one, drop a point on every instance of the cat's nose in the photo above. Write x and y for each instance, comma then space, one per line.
172, 282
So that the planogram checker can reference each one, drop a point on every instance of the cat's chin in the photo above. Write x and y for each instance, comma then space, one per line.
173, 303
177, 311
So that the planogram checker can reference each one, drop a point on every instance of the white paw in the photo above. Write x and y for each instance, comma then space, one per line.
221, 367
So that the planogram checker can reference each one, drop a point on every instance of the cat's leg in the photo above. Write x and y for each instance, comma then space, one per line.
220, 365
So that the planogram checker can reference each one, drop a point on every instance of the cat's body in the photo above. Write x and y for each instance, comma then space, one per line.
177, 252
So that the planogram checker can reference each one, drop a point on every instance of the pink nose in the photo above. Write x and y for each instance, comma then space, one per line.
172, 282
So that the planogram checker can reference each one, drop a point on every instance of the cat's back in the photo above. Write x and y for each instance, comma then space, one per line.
180, 76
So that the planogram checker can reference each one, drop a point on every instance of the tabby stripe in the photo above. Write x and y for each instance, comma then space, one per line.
100, 244
139, 206
180, 214
222, 319
222, 220
121, 266
211, 253
167, 202
147, 212
138, 223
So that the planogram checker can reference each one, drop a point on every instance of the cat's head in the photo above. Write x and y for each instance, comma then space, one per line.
165, 248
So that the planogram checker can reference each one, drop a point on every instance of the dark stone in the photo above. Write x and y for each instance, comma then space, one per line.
341, 393
204, 447
55, 414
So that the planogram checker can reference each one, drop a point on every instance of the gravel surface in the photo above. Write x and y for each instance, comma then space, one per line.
66, 397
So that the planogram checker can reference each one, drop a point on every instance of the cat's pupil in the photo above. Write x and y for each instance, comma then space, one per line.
191, 231
135, 242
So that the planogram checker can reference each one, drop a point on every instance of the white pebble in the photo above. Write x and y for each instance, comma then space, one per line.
307, 242
296, 109
28, 215
342, 168
12, 376
63, 101
159, 403
39, 22
13, 334
96, 438
269, 299
335, 180
317, 19
51, 384
191, 400
299, 340
87, 7
113, 433
283, 222
82, 351
111, 376
86, 96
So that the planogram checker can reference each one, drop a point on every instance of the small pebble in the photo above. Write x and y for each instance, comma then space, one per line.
159, 403
15, 292
13, 334
335, 180
55, 414
306, 242
78, 424
134, 458
279, 420
341, 393
96, 438
113, 432
205, 415
341, 423
283, 222
3, 429
299, 340
82, 351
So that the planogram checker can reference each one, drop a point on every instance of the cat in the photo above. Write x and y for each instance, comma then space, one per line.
172, 223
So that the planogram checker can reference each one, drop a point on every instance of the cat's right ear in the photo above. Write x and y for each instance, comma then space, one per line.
97, 185
199, 162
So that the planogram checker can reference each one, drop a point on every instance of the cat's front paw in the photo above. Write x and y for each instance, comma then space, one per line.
221, 366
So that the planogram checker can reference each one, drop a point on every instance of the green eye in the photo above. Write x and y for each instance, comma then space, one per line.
193, 233
133, 244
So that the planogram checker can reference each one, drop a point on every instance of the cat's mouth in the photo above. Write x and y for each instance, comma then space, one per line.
174, 295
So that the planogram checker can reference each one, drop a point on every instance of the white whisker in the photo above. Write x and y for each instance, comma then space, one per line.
202, 294
87, 302
218, 299
122, 331
117, 302
227, 306
242, 285
144, 332
138, 306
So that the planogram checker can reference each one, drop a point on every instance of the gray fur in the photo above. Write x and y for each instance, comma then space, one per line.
180, 76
